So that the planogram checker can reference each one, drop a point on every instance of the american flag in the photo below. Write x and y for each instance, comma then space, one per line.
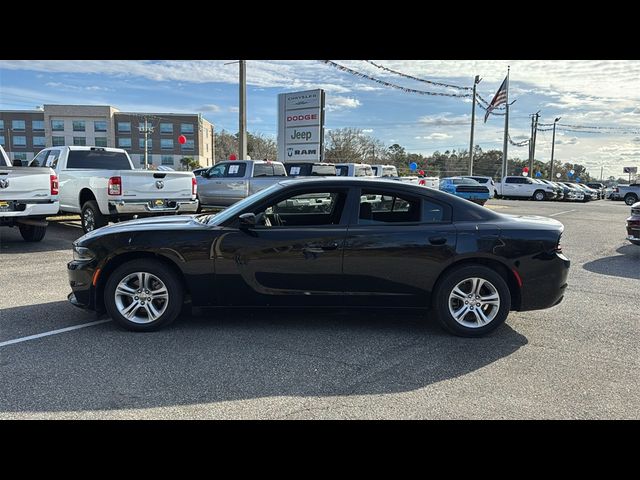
499, 98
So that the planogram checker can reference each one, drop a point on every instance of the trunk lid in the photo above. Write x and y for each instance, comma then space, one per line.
25, 183
150, 185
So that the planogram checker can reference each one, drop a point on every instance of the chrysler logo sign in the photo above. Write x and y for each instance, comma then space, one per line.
159, 184
4, 183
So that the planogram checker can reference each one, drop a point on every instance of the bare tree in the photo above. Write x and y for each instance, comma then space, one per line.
352, 145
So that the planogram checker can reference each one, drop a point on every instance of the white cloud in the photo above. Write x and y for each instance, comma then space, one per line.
234, 109
210, 107
437, 136
569, 141
337, 103
367, 130
76, 88
445, 119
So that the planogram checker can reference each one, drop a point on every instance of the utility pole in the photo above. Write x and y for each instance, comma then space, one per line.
532, 144
476, 81
147, 129
553, 145
601, 173
242, 135
505, 143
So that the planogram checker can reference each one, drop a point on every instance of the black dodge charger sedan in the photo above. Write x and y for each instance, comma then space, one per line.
322, 242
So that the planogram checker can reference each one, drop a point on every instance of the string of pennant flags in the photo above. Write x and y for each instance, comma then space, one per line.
393, 85
517, 144
424, 80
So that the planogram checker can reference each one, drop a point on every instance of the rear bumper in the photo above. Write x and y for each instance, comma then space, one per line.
545, 285
33, 210
125, 207
472, 195
634, 240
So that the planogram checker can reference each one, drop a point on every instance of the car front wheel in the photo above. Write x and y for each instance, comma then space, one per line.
143, 295
472, 300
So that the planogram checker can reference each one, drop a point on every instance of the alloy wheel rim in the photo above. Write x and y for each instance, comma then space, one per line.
89, 221
474, 302
141, 297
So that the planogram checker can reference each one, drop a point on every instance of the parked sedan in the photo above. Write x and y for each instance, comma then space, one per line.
379, 243
633, 224
465, 188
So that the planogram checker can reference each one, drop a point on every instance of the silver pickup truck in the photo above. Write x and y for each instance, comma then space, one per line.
229, 182
629, 193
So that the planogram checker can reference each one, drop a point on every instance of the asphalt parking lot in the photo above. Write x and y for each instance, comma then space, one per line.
578, 360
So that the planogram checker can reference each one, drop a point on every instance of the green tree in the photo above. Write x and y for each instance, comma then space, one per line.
189, 163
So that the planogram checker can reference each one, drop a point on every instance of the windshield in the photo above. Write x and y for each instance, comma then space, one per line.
389, 172
236, 208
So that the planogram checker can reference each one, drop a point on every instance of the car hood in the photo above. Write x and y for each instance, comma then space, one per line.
172, 222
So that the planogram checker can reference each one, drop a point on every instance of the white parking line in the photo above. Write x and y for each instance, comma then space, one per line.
560, 213
52, 332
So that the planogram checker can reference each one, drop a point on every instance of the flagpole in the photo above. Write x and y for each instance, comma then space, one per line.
506, 131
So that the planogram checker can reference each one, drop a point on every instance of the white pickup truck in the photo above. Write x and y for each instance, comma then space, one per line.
524, 187
27, 197
101, 184
629, 193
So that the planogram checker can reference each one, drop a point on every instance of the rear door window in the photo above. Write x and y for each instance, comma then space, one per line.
235, 170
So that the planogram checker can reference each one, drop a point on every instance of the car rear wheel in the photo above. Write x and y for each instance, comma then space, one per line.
472, 300
630, 198
538, 195
143, 295
32, 233
91, 218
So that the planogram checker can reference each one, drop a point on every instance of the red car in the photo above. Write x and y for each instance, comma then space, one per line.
633, 224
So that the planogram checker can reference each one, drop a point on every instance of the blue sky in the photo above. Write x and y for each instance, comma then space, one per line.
595, 93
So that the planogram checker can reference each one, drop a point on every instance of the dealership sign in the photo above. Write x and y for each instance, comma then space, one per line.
630, 169
301, 126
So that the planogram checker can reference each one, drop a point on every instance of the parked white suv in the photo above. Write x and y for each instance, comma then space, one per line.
524, 187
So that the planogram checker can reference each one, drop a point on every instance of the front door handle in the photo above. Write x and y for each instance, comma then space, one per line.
437, 240
320, 247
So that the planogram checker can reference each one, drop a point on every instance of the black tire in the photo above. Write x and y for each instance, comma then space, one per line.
31, 233
91, 218
538, 195
160, 270
440, 300
630, 198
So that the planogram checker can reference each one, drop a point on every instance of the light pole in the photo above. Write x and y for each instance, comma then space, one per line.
242, 136
553, 144
476, 81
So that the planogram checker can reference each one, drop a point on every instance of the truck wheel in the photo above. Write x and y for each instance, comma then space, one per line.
91, 217
31, 233
538, 195
143, 295
630, 198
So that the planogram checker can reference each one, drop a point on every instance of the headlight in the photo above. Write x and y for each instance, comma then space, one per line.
82, 254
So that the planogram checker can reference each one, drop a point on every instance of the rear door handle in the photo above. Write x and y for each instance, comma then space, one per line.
320, 247
437, 240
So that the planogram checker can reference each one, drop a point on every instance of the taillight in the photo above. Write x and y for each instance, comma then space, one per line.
194, 187
559, 246
114, 186
53, 182
633, 223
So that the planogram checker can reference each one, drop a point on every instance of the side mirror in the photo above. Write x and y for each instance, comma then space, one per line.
247, 220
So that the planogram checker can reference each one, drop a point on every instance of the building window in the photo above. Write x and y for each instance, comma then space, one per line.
149, 143
207, 146
167, 160
124, 127
166, 144
19, 141
78, 125
2, 140
57, 141
166, 128
186, 128
99, 126
188, 145
79, 141
124, 142
57, 125
39, 142
101, 141
1, 124
17, 124
20, 156
37, 125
